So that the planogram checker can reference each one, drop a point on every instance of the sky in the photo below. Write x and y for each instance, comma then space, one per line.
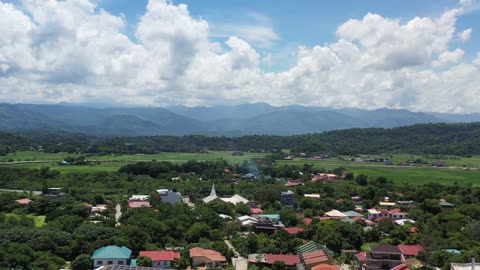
415, 55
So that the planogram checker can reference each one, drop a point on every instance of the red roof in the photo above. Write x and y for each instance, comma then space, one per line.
256, 210
24, 201
295, 230
317, 256
293, 183
165, 255
410, 250
136, 204
362, 256
324, 266
401, 267
211, 255
288, 259
307, 221
357, 218
395, 211
413, 229
300, 215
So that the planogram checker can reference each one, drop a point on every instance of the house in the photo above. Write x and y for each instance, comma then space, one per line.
248, 176
256, 210
397, 214
446, 205
138, 204
335, 213
294, 231
54, 193
290, 261
111, 255
139, 198
24, 201
275, 218
170, 197
313, 254
98, 208
265, 227
352, 214
410, 251
313, 196
465, 266
293, 183
287, 198
161, 259
247, 220
208, 258
324, 266
409, 204
124, 267
394, 214
235, 199
383, 256
315, 258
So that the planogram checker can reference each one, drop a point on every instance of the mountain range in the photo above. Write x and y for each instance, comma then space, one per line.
245, 119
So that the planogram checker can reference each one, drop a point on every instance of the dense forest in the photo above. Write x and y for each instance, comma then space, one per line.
455, 139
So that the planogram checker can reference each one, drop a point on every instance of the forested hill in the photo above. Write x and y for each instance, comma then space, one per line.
455, 139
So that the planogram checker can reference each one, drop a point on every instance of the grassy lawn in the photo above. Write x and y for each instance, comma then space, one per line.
38, 220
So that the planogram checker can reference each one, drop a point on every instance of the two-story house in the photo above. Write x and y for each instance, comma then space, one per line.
111, 255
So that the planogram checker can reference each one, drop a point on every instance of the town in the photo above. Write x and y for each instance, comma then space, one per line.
236, 219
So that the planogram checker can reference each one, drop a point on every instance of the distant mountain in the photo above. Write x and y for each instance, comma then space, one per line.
245, 119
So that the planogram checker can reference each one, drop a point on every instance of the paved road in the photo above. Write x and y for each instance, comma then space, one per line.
118, 214
34, 192
239, 263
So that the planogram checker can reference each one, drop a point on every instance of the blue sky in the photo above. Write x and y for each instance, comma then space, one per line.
416, 55
299, 23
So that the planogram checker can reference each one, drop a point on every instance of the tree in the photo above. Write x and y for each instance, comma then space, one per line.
361, 179
279, 265
144, 261
82, 262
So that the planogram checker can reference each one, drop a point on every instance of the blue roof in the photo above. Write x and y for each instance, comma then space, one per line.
112, 252
353, 214
133, 262
452, 250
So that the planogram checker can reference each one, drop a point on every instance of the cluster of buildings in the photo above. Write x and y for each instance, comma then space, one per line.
116, 257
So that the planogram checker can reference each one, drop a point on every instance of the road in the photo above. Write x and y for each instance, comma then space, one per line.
118, 214
34, 192
238, 262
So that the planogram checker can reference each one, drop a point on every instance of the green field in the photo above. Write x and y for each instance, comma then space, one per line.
111, 163
38, 220
411, 175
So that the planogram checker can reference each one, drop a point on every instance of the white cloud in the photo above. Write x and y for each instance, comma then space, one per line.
448, 58
465, 35
72, 51
259, 31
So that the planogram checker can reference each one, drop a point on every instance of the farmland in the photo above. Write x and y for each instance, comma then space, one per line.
452, 174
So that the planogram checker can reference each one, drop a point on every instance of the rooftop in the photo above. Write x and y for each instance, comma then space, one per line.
112, 252
410, 250
211, 255
164, 255
288, 259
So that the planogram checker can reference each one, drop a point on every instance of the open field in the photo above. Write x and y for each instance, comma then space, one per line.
111, 163
410, 175
38, 220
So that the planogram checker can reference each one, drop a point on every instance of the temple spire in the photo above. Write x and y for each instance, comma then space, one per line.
213, 192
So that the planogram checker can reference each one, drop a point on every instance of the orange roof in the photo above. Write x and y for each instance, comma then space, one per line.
211, 255
294, 230
165, 255
136, 204
324, 266
24, 201
287, 259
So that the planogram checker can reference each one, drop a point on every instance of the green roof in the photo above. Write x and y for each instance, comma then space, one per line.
112, 252
313, 246
447, 204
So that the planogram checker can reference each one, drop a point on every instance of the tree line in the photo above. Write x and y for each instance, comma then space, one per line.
452, 139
